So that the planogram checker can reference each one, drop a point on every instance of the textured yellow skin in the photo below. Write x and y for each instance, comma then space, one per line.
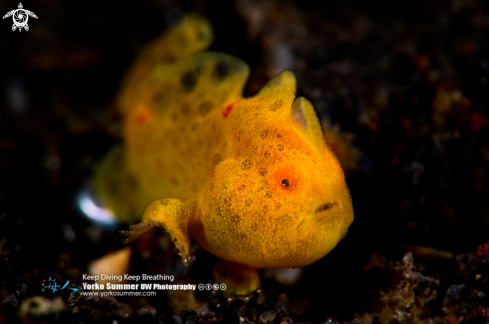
216, 163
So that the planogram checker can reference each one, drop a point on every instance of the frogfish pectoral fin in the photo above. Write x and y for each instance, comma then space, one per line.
173, 216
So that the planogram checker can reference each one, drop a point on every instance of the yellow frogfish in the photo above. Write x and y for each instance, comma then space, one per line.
251, 180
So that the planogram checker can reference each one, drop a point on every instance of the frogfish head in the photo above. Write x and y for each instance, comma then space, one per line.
280, 198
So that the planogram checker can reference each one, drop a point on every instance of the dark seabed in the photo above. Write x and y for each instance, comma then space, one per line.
404, 86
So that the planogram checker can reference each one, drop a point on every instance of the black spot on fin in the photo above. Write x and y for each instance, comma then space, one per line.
226, 67
221, 70
189, 81
205, 107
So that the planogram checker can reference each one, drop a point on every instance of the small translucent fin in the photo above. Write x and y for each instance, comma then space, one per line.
305, 119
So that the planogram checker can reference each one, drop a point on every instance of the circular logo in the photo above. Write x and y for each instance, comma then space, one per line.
208, 286
20, 18
223, 286
215, 286
201, 286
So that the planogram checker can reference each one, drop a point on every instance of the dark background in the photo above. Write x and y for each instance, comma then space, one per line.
406, 82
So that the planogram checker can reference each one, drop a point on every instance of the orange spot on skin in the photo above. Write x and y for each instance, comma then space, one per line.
227, 110
289, 174
143, 116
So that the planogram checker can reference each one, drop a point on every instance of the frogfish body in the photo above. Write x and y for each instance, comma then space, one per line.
250, 179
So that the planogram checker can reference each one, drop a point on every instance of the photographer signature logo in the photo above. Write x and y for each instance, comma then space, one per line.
53, 285
20, 17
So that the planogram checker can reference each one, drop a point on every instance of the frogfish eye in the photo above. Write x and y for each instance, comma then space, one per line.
285, 183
